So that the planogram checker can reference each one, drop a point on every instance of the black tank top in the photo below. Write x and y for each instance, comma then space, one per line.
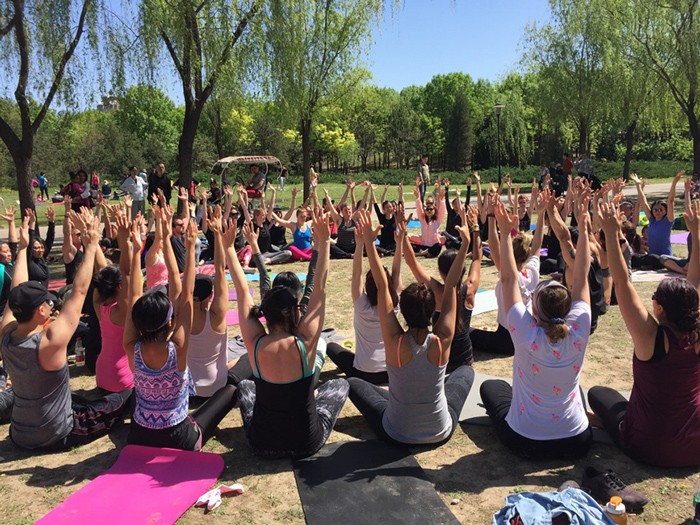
72, 267
346, 235
461, 350
285, 417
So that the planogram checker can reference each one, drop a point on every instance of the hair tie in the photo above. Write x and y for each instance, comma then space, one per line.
557, 320
167, 318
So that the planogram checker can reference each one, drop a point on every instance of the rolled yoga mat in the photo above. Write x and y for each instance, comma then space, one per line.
367, 482
145, 485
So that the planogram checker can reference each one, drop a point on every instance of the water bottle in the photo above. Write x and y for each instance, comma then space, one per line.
616, 510
79, 353
696, 504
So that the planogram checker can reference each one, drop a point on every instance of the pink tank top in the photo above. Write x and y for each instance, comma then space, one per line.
112, 371
157, 273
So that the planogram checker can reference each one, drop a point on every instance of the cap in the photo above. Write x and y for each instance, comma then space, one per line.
277, 207
27, 297
203, 287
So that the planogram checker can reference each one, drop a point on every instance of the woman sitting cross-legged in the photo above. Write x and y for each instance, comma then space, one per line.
660, 424
281, 415
156, 339
420, 408
461, 352
368, 362
542, 416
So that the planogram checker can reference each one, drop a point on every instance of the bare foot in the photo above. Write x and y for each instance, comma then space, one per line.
594, 420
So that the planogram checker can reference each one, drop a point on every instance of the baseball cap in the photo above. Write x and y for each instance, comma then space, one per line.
27, 297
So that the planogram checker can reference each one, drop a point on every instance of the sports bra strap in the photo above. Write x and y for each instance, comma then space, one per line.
304, 358
255, 357
439, 343
398, 350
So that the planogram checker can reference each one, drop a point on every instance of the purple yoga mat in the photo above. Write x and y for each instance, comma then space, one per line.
680, 238
232, 296
145, 485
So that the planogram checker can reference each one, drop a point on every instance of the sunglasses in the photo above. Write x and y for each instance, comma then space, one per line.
430, 207
653, 296
50, 303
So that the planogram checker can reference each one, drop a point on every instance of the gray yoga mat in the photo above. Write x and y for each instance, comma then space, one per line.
474, 413
367, 482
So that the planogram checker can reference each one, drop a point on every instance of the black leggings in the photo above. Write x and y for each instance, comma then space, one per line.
344, 360
498, 342
372, 401
433, 251
240, 371
341, 253
649, 261
210, 414
497, 396
330, 398
610, 406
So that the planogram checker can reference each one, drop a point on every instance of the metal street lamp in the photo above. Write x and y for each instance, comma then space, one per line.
498, 108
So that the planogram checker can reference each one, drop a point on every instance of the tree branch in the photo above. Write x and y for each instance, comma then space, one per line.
8, 27
58, 76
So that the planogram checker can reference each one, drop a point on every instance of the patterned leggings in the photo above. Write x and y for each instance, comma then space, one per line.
330, 398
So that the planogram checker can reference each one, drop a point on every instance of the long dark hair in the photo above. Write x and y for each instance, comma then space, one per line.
681, 305
278, 307
417, 304
151, 315
107, 281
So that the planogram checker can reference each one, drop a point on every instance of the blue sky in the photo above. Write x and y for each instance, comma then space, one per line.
429, 37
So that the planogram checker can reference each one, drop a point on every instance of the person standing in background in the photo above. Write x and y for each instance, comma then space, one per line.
423, 176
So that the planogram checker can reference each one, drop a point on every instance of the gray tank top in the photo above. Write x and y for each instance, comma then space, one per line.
42, 414
417, 411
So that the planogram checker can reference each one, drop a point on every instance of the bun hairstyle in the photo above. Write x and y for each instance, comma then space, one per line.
371, 289
552, 302
278, 307
107, 281
417, 304
680, 302
288, 280
521, 247
151, 316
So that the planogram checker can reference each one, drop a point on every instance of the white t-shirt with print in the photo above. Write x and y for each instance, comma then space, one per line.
547, 401
527, 280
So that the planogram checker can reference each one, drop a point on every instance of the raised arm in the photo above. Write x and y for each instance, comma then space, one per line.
474, 275
228, 202
182, 309
692, 221
58, 334
21, 270
334, 214
510, 289
344, 198
391, 329
284, 222
312, 323
641, 197
640, 323
582, 263
68, 250
174, 283
672, 195
220, 302
399, 236
292, 205
357, 270
135, 291
444, 328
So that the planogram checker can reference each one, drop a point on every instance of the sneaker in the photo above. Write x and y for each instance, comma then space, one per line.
604, 485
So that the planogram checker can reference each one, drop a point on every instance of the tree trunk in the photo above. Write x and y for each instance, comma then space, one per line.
629, 143
582, 136
23, 167
694, 126
305, 128
215, 117
185, 147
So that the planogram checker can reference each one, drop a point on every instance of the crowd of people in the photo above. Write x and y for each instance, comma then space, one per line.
156, 336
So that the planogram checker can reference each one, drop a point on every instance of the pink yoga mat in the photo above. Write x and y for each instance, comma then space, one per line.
56, 284
232, 318
145, 485
679, 238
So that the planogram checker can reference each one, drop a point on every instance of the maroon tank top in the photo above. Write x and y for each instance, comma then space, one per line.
662, 422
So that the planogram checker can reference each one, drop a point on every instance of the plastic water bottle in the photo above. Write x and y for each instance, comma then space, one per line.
79, 353
616, 510
696, 504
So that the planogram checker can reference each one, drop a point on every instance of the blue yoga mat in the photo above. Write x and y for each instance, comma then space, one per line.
255, 277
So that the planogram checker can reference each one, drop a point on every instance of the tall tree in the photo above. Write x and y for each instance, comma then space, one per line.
568, 53
38, 42
201, 39
664, 38
459, 139
314, 50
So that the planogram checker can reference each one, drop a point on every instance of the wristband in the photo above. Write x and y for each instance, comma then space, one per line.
490, 215
474, 229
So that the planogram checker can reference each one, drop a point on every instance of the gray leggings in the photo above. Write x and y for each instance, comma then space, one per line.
280, 257
330, 398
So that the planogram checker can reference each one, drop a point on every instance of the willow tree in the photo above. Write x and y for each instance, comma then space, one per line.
314, 50
39, 41
568, 54
664, 39
200, 40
